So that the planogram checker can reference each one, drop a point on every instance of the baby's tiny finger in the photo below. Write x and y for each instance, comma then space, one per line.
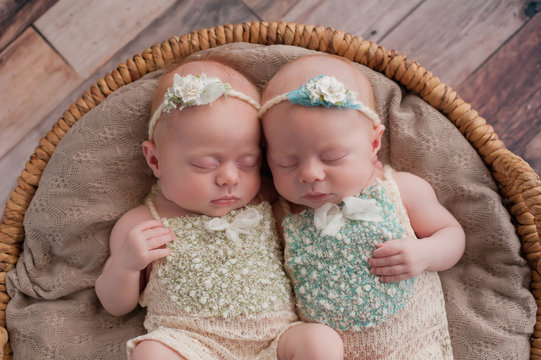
160, 241
385, 261
389, 270
150, 224
156, 232
386, 250
159, 253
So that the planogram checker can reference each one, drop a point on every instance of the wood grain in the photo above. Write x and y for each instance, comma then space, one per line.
270, 10
453, 46
16, 16
33, 79
179, 19
88, 33
507, 92
370, 19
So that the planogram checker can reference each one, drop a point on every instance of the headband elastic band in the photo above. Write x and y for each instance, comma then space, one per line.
323, 90
194, 90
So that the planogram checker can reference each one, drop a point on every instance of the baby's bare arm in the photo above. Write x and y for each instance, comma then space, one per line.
432, 222
440, 242
135, 242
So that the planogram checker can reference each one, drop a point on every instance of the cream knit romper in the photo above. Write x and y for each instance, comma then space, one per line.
217, 296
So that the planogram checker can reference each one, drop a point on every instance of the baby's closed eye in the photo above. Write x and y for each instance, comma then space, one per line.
333, 155
248, 161
287, 163
205, 163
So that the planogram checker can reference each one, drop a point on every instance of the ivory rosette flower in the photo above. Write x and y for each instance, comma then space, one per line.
193, 90
189, 88
329, 89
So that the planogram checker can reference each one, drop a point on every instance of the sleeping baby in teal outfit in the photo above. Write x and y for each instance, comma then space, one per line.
363, 243
335, 285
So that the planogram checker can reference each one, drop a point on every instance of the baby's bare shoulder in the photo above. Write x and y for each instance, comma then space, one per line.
128, 221
414, 189
409, 181
135, 216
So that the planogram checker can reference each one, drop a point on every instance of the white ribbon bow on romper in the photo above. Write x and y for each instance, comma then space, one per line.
329, 218
242, 223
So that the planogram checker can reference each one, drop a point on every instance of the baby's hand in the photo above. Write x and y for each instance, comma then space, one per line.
398, 260
144, 244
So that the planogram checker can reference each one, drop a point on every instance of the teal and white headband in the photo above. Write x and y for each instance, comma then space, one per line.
323, 90
194, 90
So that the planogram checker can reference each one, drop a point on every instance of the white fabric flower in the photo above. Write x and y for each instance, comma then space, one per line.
210, 93
192, 90
189, 87
329, 88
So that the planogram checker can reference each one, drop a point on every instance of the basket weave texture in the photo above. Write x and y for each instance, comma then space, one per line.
518, 183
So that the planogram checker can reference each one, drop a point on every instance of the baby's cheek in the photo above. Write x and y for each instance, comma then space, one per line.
282, 185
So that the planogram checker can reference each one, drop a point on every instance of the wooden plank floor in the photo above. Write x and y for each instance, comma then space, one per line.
53, 50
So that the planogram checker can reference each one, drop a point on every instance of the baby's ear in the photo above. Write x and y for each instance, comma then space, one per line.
378, 132
151, 156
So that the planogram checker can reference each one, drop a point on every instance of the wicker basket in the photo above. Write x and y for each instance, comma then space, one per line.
518, 182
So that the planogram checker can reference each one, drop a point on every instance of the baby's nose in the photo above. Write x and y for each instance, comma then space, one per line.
311, 171
228, 175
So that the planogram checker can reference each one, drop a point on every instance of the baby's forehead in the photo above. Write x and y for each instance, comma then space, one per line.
296, 73
199, 126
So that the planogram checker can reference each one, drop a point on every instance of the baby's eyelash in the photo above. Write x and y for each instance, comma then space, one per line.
205, 165
248, 161
333, 157
247, 165
288, 165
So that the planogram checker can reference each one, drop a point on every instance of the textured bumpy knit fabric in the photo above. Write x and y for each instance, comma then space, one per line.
334, 286
217, 296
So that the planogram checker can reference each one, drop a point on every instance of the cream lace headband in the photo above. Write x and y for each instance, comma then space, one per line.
193, 90
323, 90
